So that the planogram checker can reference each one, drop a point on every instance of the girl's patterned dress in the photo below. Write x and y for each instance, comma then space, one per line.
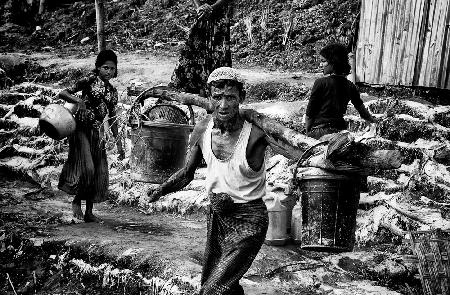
207, 48
85, 173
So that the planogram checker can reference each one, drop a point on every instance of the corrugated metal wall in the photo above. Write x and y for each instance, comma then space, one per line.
404, 42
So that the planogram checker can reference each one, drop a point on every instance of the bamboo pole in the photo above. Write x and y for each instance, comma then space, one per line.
288, 142
100, 18
41, 6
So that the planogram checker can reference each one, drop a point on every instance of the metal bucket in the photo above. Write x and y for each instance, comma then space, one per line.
329, 206
159, 147
57, 121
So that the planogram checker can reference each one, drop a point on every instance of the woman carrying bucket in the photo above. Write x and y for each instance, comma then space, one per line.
85, 173
331, 94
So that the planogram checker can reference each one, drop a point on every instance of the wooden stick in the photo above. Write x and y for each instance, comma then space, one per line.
381, 159
12, 286
286, 141
393, 229
270, 126
405, 213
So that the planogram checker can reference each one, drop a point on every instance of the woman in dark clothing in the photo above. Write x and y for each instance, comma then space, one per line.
330, 95
85, 173
207, 47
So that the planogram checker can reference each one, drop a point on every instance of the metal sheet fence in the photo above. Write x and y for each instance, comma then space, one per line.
404, 42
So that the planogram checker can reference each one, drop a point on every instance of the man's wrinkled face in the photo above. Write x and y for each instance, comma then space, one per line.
227, 100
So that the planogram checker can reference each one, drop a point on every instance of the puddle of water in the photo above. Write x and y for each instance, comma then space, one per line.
145, 228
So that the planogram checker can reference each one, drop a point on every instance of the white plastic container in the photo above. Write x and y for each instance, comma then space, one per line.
296, 223
277, 230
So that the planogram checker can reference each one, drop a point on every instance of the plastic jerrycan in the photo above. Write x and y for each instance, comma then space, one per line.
296, 223
277, 230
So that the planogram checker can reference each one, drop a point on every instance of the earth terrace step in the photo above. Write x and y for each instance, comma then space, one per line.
409, 151
401, 128
441, 116
33, 111
35, 89
99, 267
377, 184
8, 98
385, 106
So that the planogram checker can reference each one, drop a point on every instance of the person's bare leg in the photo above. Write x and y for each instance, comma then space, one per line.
76, 208
88, 215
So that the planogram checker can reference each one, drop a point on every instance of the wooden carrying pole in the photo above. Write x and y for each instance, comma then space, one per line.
41, 6
288, 142
100, 18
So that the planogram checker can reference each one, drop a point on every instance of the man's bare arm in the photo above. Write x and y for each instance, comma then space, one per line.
185, 175
181, 178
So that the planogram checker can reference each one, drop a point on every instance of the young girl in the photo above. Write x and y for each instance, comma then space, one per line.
331, 94
85, 173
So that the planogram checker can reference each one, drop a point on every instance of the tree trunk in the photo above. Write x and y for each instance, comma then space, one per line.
288, 25
100, 17
41, 6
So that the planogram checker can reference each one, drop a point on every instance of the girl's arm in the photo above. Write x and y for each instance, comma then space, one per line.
65, 95
68, 93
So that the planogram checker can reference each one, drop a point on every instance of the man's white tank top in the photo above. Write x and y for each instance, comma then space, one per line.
233, 176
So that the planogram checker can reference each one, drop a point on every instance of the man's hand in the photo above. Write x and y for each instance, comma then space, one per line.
204, 11
154, 194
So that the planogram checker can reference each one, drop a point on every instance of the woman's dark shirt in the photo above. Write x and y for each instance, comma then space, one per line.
329, 99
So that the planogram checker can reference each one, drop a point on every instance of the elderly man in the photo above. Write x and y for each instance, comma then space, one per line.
234, 151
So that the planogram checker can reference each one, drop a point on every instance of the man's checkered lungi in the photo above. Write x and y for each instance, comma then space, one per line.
236, 232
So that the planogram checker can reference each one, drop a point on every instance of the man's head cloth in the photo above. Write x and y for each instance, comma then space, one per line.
227, 76
225, 73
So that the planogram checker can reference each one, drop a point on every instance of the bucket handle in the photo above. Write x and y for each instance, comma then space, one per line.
303, 157
191, 111
144, 95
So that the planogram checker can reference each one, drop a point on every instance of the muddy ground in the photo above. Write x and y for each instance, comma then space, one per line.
157, 249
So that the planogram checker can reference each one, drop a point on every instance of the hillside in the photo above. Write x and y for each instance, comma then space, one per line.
257, 32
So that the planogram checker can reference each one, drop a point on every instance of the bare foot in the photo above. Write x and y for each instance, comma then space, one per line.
76, 209
89, 217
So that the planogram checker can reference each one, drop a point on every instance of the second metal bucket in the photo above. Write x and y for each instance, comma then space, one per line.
329, 207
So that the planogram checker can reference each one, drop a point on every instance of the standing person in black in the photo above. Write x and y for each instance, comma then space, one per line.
331, 94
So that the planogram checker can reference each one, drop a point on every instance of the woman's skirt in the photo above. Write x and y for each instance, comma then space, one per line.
85, 173
207, 48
